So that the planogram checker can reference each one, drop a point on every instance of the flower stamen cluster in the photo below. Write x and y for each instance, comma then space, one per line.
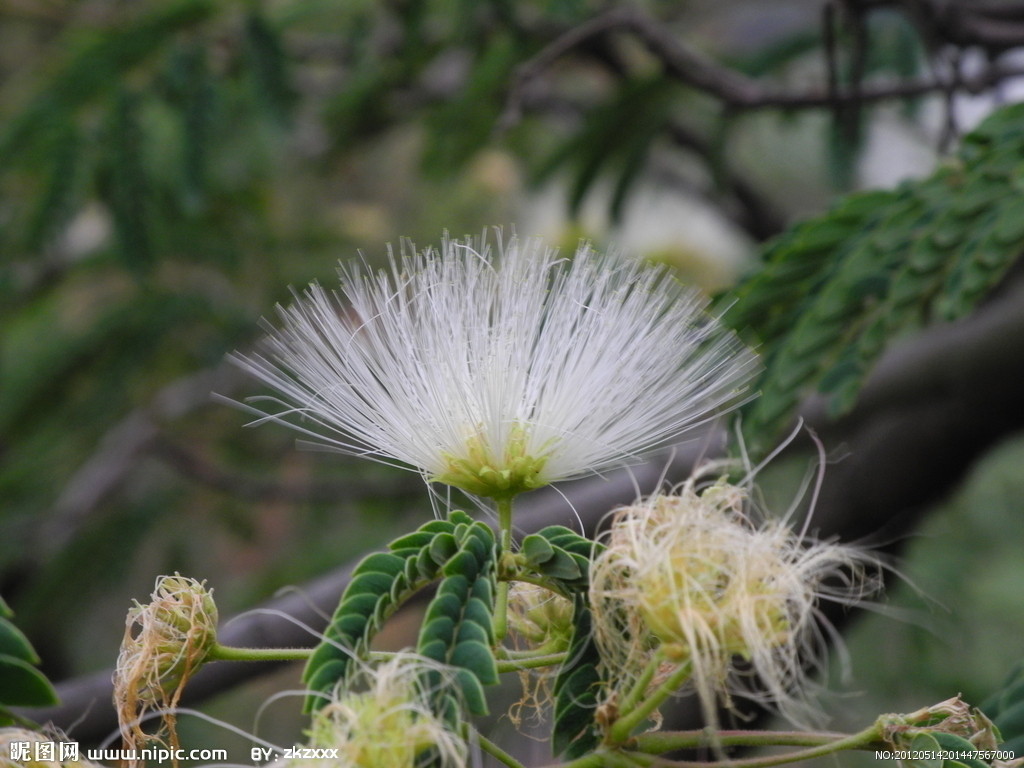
483, 473
694, 580
500, 374
390, 723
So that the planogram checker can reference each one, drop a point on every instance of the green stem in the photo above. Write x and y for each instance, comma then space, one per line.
505, 546
600, 759
665, 741
497, 752
640, 686
861, 740
511, 654
623, 727
544, 660
228, 653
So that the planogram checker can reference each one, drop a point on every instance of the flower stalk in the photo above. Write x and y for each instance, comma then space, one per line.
531, 662
497, 752
505, 550
229, 653
623, 727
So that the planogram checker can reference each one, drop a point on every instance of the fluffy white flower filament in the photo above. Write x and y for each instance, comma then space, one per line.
689, 580
498, 375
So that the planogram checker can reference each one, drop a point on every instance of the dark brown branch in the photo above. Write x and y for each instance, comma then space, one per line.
731, 88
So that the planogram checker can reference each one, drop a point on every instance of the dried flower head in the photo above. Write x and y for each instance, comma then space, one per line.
387, 718
165, 642
693, 576
954, 716
499, 375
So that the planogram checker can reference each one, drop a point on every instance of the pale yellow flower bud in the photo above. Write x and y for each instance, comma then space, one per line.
538, 615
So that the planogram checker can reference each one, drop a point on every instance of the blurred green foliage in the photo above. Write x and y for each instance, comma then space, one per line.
836, 290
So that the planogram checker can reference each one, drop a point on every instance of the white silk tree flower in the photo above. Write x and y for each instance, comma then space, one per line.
501, 373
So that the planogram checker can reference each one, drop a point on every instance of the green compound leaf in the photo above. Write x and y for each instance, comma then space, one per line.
442, 548
379, 586
458, 629
536, 549
129, 188
952, 744
268, 66
562, 566
926, 745
576, 687
475, 656
565, 556
835, 291
614, 139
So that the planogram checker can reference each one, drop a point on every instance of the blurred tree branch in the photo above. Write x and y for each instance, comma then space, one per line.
204, 471
120, 450
728, 86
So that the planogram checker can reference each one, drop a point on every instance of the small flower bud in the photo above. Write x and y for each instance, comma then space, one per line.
542, 621
953, 716
538, 615
165, 642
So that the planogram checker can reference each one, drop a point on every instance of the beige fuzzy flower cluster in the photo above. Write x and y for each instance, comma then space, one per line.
541, 621
695, 580
387, 718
